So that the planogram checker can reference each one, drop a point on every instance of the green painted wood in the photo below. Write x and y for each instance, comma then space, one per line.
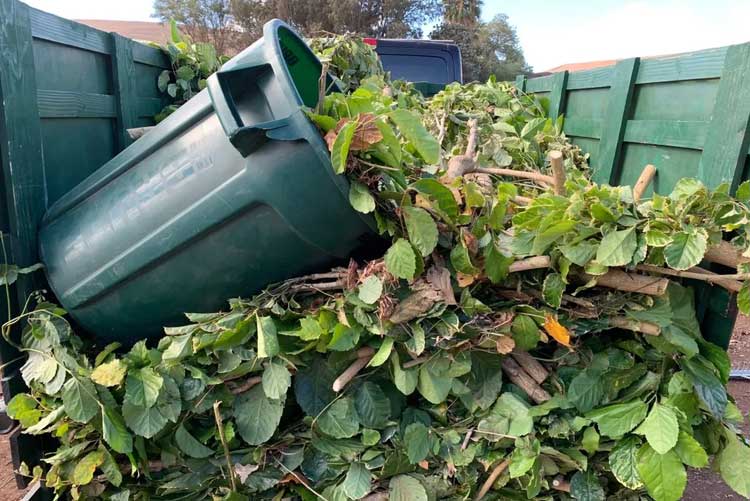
687, 100
690, 66
613, 128
126, 102
539, 84
521, 83
24, 195
557, 94
148, 106
583, 127
66, 32
62, 67
60, 103
681, 134
728, 137
590, 79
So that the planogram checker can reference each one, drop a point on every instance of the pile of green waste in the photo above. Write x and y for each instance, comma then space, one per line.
528, 334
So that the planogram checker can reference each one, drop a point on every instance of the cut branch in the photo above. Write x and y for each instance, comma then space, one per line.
364, 357
729, 282
558, 171
246, 385
534, 176
634, 325
520, 378
630, 282
560, 484
643, 181
725, 254
531, 365
487, 485
530, 263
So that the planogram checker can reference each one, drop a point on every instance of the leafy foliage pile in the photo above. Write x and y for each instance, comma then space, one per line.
192, 63
516, 341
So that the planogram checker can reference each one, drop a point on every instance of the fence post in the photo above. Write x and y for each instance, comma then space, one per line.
557, 94
615, 118
521, 83
725, 150
123, 76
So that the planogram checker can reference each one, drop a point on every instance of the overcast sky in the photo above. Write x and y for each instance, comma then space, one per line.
552, 32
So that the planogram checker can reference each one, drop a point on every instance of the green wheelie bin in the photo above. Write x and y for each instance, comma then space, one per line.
233, 191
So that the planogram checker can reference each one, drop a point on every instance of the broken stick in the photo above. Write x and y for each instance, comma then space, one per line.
558, 171
520, 378
643, 181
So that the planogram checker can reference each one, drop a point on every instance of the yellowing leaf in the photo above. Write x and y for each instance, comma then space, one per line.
556, 330
109, 374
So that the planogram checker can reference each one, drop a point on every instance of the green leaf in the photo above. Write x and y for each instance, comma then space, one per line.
433, 384
383, 353
734, 465
185, 73
691, 452
417, 442
357, 483
110, 374
400, 260
586, 390
360, 197
142, 387
617, 247
525, 332
406, 488
440, 194
372, 405
580, 253
312, 387
144, 421
340, 148
268, 342
257, 416
707, 386
179, 347
340, 419
371, 289
510, 416
406, 380
743, 298
110, 468
276, 380
41, 427
585, 486
115, 433
189, 445
552, 289
590, 440
79, 399
83, 473
743, 192
163, 81
496, 264
421, 228
23, 408
660, 428
686, 249
461, 260
616, 420
663, 474
412, 129
623, 462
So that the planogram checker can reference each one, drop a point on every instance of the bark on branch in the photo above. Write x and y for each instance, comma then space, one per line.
520, 378
487, 485
364, 356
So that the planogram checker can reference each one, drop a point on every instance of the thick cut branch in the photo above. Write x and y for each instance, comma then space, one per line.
643, 181
534, 176
630, 282
560, 484
365, 355
520, 378
487, 485
634, 325
246, 385
138, 132
729, 282
531, 365
530, 263
558, 171
725, 254
466, 163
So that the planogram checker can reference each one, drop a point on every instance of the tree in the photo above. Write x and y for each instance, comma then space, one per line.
486, 48
465, 12
204, 20
375, 18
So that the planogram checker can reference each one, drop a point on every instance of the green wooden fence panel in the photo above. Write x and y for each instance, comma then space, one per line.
687, 114
123, 68
557, 94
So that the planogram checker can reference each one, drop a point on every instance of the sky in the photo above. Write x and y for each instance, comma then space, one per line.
552, 32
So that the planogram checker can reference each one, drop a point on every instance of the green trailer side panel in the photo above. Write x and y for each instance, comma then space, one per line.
729, 133
613, 127
123, 71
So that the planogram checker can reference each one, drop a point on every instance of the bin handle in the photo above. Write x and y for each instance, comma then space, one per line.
247, 138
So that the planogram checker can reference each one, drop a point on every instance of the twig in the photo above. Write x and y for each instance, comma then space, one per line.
534, 176
248, 384
415, 362
560, 484
227, 456
643, 181
364, 357
634, 325
465, 443
558, 171
727, 281
520, 378
323, 286
487, 485
522, 200
471, 142
530, 263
